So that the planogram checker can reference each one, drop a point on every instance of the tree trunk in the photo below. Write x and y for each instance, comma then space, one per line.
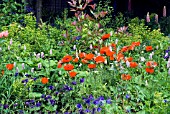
38, 11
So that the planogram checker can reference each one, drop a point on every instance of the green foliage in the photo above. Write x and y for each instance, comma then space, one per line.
10, 11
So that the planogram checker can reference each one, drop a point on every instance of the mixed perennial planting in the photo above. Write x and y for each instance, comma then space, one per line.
83, 67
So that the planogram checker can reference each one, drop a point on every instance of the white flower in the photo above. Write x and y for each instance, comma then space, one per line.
51, 52
23, 66
127, 63
25, 47
8, 47
14, 64
146, 83
17, 69
32, 70
91, 47
74, 47
39, 65
42, 54
10, 41
116, 41
38, 55
168, 64
142, 59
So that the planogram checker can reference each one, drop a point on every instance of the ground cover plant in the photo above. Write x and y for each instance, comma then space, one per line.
80, 66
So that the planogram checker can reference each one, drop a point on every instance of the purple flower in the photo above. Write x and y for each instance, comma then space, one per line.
99, 109
52, 102
74, 83
91, 97
96, 102
127, 96
16, 74
87, 111
48, 97
67, 88
15, 104
38, 104
32, 101
21, 112
42, 96
81, 80
5, 106
56, 92
78, 37
93, 110
101, 98
26, 75
128, 110
165, 101
87, 101
34, 79
27, 103
25, 81
108, 101
79, 106
51, 87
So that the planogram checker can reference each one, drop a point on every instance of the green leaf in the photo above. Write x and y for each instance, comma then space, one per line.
35, 95
50, 108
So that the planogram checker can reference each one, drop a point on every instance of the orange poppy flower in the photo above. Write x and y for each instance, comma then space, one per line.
132, 47
151, 64
120, 56
76, 60
112, 58
136, 43
68, 67
105, 36
82, 55
113, 45
149, 48
67, 59
149, 70
89, 56
110, 53
133, 64
126, 77
125, 49
2, 72
44, 80
72, 74
129, 59
59, 65
91, 66
103, 50
84, 61
99, 59
10, 66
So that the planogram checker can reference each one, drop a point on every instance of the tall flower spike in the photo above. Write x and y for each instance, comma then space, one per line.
147, 18
164, 11
156, 18
129, 6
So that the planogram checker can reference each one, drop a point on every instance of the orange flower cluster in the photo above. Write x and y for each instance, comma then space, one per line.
10, 66
150, 66
126, 77
44, 80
